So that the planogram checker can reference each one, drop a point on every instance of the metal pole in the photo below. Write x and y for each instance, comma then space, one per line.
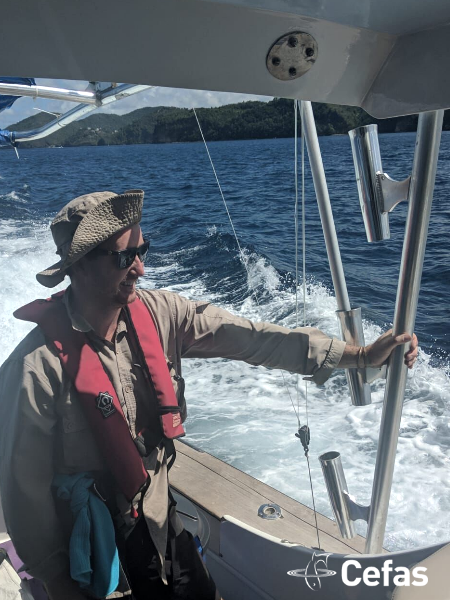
360, 391
326, 214
420, 199
104, 98
42, 91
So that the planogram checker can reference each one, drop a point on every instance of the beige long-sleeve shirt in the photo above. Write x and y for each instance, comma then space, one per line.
43, 430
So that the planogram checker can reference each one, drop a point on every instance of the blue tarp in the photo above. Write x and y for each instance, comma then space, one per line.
6, 138
7, 101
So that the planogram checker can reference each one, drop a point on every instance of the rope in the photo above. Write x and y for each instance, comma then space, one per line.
304, 244
245, 263
242, 255
305, 444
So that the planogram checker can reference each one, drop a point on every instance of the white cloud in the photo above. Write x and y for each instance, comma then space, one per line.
25, 107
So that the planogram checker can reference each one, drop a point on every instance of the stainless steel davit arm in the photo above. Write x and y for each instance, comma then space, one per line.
350, 320
420, 199
112, 94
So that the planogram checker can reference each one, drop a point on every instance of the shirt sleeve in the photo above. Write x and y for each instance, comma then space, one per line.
28, 422
209, 331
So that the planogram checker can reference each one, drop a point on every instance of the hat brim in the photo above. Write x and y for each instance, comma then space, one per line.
53, 275
108, 218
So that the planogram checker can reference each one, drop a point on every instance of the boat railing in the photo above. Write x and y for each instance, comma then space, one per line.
379, 194
97, 96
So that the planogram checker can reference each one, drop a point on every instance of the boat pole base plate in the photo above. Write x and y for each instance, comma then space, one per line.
292, 55
270, 511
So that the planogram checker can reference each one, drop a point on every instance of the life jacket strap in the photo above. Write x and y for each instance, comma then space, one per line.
96, 394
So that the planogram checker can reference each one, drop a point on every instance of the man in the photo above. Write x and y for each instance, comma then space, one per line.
97, 389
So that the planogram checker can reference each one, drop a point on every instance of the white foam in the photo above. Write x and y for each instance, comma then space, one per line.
260, 273
25, 249
12, 196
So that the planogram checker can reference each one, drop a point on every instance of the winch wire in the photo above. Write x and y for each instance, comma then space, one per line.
245, 263
299, 108
304, 242
296, 241
243, 258
296, 211
242, 255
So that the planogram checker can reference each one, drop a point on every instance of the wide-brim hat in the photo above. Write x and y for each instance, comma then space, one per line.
86, 222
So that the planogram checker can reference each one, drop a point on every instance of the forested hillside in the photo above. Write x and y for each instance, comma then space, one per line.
246, 120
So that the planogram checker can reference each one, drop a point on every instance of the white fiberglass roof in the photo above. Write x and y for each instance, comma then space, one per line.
390, 57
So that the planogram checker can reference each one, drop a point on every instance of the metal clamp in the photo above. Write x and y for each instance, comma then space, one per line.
345, 509
379, 194
350, 322
392, 192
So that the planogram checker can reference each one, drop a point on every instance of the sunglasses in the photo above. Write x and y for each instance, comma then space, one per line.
125, 258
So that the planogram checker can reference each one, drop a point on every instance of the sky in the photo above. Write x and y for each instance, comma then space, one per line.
157, 96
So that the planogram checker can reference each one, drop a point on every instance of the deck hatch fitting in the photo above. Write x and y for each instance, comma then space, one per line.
270, 511
292, 55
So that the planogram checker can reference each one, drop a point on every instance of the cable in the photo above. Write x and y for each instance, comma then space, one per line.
243, 257
306, 430
303, 432
244, 260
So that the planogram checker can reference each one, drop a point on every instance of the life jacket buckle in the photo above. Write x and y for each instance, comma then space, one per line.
144, 443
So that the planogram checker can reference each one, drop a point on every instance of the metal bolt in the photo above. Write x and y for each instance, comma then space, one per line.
309, 51
292, 71
276, 61
292, 41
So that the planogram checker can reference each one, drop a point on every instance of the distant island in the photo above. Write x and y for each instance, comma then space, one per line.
243, 121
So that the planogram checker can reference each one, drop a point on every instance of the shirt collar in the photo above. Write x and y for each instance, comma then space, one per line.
79, 323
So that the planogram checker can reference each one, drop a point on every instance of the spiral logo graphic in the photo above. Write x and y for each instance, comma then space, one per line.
313, 573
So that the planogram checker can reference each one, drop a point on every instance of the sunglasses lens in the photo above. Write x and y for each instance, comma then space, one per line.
126, 257
142, 251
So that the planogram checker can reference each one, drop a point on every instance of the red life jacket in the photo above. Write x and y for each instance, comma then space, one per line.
97, 396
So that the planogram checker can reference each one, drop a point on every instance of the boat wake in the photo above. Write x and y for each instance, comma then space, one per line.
243, 414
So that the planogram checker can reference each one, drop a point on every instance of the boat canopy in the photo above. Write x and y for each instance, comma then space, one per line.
389, 58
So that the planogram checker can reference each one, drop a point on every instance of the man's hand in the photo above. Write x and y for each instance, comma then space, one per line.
378, 353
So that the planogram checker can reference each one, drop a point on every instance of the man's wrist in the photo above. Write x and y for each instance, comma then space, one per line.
362, 358
354, 357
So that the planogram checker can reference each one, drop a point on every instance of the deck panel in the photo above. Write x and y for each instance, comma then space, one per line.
232, 492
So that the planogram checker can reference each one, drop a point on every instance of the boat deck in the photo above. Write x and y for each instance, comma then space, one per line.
220, 489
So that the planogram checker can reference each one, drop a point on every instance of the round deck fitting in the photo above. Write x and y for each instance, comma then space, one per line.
292, 55
270, 511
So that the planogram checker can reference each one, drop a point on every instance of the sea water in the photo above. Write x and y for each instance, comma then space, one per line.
240, 413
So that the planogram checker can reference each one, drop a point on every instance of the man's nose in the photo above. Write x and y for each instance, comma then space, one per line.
138, 266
